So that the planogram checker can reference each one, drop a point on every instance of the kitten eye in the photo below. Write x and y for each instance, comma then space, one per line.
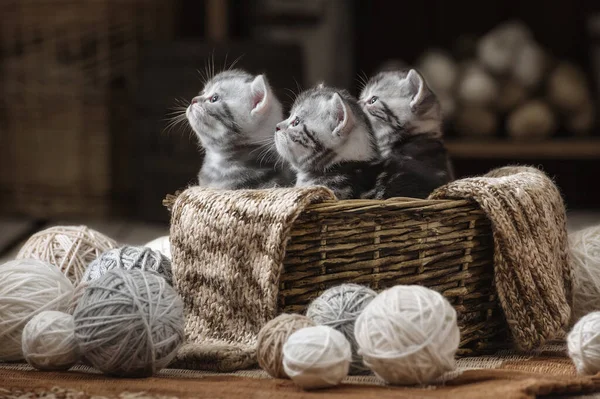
373, 100
214, 98
296, 122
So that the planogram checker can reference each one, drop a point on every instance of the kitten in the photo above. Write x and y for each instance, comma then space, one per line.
328, 141
234, 117
407, 121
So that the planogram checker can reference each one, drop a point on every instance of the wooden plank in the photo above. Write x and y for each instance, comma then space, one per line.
508, 149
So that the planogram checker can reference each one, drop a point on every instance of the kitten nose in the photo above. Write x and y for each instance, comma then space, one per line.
277, 128
194, 100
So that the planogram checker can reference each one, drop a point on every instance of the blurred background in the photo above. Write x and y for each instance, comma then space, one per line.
88, 87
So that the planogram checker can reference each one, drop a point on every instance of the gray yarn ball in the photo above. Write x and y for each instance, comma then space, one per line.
129, 323
338, 307
129, 258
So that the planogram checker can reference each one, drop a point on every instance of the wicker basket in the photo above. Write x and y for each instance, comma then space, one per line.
445, 245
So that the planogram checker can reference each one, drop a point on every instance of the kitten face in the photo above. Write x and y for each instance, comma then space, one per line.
400, 102
234, 109
325, 127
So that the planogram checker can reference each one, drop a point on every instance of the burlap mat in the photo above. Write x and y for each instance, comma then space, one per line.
228, 249
506, 375
532, 273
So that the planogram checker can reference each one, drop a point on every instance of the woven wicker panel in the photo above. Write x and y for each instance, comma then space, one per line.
443, 245
58, 62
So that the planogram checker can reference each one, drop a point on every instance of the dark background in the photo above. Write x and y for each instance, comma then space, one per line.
119, 114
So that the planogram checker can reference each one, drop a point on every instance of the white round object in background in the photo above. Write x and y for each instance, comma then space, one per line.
497, 49
439, 70
317, 357
533, 120
476, 86
529, 65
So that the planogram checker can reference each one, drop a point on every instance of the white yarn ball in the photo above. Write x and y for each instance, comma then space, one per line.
49, 341
28, 287
408, 335
162, 245
584, 344
317, 357
585, 261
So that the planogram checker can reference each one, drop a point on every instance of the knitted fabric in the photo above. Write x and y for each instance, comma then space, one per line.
228, 249
531, 258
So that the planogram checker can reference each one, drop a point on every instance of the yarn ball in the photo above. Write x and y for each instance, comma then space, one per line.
162, 245
27, 287
272, 337
338, 307
584, 344
130, 258
129, 323
585, 262
408, 335
71, 248
49, 341
317, 357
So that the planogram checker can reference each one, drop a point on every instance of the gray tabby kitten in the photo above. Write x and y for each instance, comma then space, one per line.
328, 141
407, 121
234, 117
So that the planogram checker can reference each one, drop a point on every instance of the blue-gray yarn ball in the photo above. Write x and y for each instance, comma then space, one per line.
338, 307
129, 258
129, 323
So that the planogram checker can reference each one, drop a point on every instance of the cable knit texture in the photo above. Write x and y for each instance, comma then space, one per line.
531, 258
228, 249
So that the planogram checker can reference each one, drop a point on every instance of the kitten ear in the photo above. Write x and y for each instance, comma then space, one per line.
343, 114
261, 98
418, 89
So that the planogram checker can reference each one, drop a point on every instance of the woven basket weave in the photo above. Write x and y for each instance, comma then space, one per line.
445, 245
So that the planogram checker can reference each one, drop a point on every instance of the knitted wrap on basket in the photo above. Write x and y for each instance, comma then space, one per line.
531, 258
228, 249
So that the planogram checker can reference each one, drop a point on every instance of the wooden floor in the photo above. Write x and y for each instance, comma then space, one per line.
15, 231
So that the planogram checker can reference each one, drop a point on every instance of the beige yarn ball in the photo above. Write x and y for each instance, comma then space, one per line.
273, 336
70, 248
49, 341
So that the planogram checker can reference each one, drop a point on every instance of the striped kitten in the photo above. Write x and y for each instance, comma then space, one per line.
234, 117
329, 142
407, 121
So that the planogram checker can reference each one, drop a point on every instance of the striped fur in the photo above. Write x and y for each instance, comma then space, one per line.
234, 118
329, 142
407, 123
